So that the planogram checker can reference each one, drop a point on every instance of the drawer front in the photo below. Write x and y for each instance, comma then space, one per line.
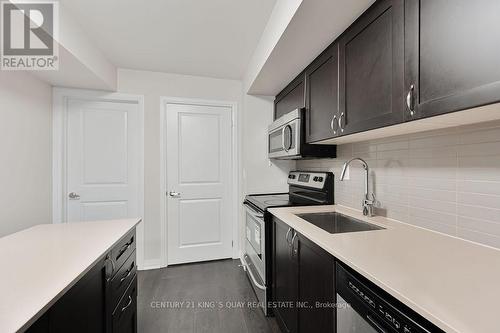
122, 279
125, 315
122, 250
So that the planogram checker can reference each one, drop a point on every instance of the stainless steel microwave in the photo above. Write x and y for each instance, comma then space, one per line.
286, 139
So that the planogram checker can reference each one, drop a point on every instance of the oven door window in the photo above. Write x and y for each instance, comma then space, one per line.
253, 234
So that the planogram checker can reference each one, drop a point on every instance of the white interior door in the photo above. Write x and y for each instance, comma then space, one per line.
199, 180
102, 175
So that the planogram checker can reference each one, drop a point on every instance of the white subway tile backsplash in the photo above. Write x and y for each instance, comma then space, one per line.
478, 212
393, 145
433, 216
446, 180
483, 226
481, 187
427, 223
435, 152
479, 237
476, 199
478, 136
431, 204
435, 141
486, 168
479, 149
433, 183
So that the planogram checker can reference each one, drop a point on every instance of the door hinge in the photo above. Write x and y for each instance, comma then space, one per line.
232, 243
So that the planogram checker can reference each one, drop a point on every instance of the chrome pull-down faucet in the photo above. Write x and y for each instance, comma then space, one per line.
369, 200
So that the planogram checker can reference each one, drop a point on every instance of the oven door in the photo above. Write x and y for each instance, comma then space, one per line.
254, 258
255, 247
284, 140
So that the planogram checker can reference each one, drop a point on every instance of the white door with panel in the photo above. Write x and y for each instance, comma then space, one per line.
199, 182
102, 149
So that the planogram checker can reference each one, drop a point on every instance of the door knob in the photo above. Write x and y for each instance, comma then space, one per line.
174, 194
74, 196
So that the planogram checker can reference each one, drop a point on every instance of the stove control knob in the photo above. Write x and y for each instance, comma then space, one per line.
320, 179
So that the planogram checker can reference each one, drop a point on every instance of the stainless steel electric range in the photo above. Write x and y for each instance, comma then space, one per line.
304, 189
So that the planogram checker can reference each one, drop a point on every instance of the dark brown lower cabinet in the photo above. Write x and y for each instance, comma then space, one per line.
285, 278
104, 300
316, 288
82, 308
125, 315
303, 283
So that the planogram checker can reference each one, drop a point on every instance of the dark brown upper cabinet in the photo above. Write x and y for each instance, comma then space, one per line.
452, 50
290, 98
322, 96
372, 69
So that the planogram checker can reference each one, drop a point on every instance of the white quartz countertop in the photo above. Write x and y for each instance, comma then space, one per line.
41, 263
453, 283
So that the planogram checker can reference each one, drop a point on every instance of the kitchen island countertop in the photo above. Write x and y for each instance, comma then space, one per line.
41, 263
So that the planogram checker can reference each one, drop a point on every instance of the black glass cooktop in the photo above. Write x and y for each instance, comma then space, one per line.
265, 201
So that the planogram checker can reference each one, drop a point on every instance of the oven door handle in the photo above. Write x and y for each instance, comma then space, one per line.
252, 277
254, 213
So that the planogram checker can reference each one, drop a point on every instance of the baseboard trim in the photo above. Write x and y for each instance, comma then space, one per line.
149, 264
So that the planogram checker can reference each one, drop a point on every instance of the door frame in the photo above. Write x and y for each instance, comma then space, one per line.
60, 97
163, 168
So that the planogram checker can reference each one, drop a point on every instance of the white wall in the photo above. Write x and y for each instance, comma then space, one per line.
25, 151
153, 85
445, 180
260, 175
255, 114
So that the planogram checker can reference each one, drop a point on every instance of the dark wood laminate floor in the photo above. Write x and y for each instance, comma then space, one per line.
207, 294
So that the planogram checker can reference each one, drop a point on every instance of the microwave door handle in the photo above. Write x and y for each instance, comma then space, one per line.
283, 138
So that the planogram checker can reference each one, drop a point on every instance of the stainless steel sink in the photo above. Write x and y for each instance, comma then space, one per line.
336, 223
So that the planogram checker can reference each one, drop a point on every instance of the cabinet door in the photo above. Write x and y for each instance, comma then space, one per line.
82, 308
316, 284
285, 284
452, 55
290, 98
125, 315
372, 69
322, 92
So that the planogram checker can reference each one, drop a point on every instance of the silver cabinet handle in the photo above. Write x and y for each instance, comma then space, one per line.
334, 124
73, 196
410, 100
340, 122
293, 241
174, 194
129, 271
128, 304
286, 236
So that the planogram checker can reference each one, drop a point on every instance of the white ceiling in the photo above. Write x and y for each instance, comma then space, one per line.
214, 38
